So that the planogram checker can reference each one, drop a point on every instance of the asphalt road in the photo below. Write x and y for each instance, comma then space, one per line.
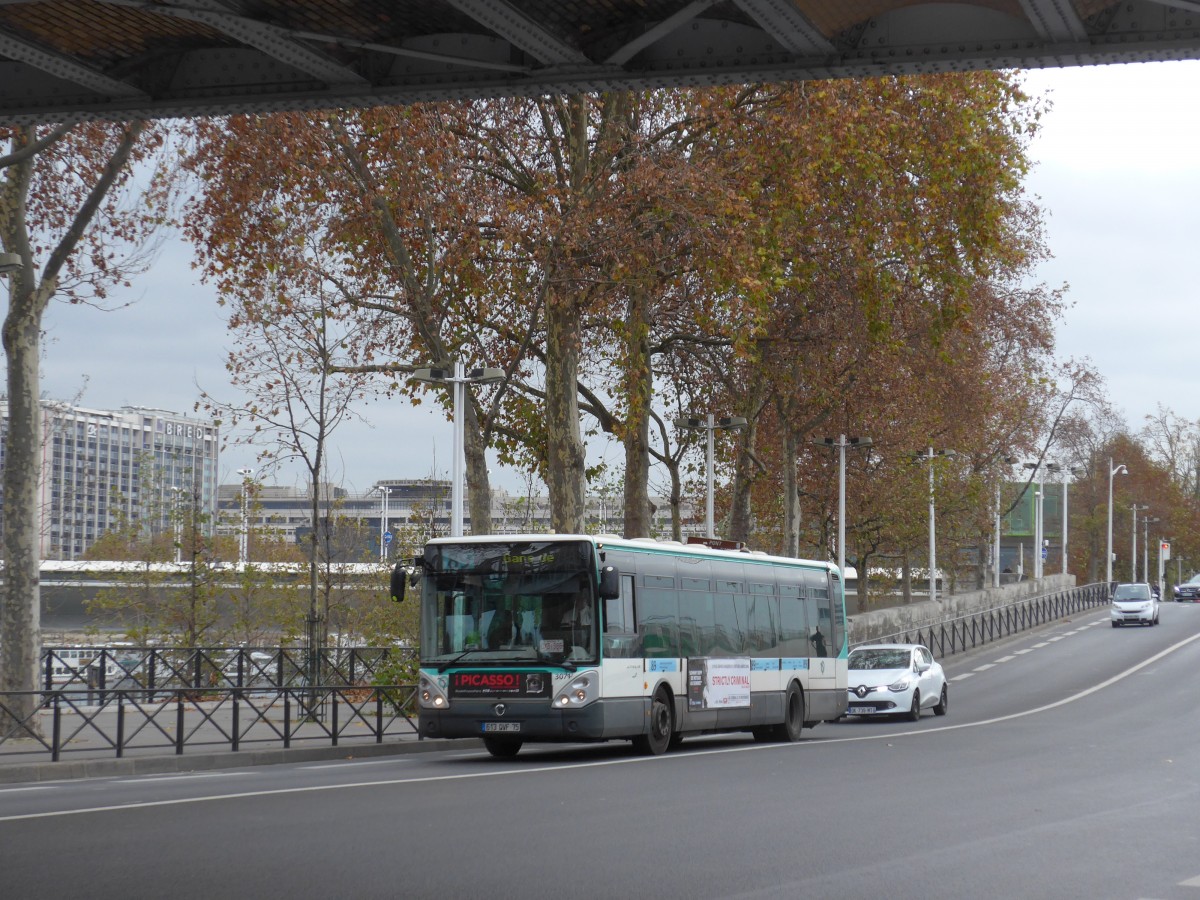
1068, 766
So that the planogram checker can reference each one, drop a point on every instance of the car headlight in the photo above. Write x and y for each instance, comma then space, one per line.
430, 695
579, 691
900, 686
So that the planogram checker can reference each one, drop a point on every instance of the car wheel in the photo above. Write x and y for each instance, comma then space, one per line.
942, 704
1114, 624
914, 712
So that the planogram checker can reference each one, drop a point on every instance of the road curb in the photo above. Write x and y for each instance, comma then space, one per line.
72, 769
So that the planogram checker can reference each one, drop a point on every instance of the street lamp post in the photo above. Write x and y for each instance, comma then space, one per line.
930, 455
178, 517
1147, 521
458, 380
244, 534
384, 490
709, 425
842, 442
1111, 472
1133, 570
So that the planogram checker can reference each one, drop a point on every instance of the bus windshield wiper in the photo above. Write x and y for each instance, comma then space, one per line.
442, 667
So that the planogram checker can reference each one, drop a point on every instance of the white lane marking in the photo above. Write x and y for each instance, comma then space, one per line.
1058, 637
1023, 652
984, 667
187, 777
17, 790
1042, 644
1004, 659
962, 676
358, 762
1191, 882
623, 761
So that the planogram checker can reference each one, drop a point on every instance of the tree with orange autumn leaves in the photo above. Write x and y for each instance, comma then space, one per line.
834, 255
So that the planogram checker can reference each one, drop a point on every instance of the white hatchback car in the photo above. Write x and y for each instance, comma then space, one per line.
895, 679
1133, 604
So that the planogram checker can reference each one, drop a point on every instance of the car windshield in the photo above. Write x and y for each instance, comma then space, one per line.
1129, 592
879, 659
1195, 579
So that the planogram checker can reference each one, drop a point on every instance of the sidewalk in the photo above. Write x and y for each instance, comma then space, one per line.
89, 748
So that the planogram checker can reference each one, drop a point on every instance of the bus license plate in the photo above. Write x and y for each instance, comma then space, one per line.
501, 726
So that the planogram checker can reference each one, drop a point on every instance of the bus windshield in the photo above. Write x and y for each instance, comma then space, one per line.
500, 603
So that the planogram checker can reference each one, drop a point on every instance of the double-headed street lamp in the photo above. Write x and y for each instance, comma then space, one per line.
710, 425
842, 442
459, 380
929, 456
1111, 472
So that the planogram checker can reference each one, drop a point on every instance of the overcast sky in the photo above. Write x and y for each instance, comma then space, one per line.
1117, 171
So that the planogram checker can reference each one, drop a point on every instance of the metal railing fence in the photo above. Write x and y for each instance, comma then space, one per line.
154, 668
117, 721
973, 630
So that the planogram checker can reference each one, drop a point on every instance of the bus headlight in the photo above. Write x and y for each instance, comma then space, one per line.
579, 691
429, 695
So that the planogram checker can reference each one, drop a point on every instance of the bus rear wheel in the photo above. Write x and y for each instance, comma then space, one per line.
502, 749
793, 716
662, 728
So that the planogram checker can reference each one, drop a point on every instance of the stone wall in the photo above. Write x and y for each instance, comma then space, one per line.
879, 623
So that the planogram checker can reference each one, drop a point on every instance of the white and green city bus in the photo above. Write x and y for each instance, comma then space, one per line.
538, 638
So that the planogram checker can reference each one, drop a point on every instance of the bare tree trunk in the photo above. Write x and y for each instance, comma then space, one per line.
739, 521
565, 454
20, 611
479, 487
639, 385
790, 545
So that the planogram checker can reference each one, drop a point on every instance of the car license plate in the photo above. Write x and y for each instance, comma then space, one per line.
860, 710
501, 726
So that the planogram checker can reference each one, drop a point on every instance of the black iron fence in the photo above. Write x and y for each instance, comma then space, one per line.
151, 668
116, 701
967, 632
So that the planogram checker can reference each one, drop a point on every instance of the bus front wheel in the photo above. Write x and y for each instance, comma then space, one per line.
662, 727
502, 749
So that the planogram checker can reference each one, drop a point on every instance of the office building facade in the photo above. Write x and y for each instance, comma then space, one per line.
102, 467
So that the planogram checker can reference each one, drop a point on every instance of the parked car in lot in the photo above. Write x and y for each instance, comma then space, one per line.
895, 679
1133, 604
1189, 591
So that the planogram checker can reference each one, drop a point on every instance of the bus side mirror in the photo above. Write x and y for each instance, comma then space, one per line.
610, 583
398, 582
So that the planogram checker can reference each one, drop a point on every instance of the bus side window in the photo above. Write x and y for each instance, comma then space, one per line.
618, 612
620, 639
